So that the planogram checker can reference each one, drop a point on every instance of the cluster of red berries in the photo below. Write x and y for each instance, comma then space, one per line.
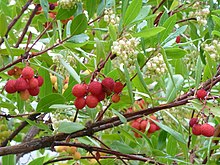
201, 94
141, 125
95, 92
15, 71
201, 129
52, 6
27, 84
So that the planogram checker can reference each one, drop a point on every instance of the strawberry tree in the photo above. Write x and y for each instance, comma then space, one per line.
109, 82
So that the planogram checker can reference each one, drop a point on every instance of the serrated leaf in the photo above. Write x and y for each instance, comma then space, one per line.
38, 161
175, 53
171, 90
45, 5
169, 25
4, 24
150, 32
69, 127
45, 103
79, 24
128, 83
132, 11
71, 71
178, 136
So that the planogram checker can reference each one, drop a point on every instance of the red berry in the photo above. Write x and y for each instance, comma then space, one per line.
21, 84
153, 128
118, 87
136, 125
33, 83
196, 129
201, 93
144, 124
153, 118
25, 95
115, 98
11, 72
108, 84
101, 96
95, 88
207, 130
34, 91
91, 101
193, 121
138, 120
40, 81
10, 86
80, 102
178, 39
137, 135
27, 72
79, 90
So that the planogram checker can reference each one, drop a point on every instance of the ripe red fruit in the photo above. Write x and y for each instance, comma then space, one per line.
201, 93
80, 102
40, 81
118, 87
108, 84
115, 98
178, 39
11, 72
193, 121
10, 86
153, 128
34, 91
136, 125
196, 129
27, 72
153, 118
95, 88
25, 95
91, 101
101, 96
33, 83
207, 130
144, 124
21, 84
79, 90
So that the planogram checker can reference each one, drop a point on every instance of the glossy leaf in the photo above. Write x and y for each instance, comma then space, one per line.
4, 24
69, 127
147, 33
79, 24
175, 53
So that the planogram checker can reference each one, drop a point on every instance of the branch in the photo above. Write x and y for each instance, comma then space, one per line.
101, 125
16, 19
161, 3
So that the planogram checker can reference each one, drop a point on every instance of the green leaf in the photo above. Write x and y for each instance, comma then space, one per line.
8, 160
38, 161
140, 76
169, 25
45, 103
150, 32
79, 24
45, 5
65, 14
80, 38
216, 20
46, 88
91, 7
14, 52
69, 127
145, 10
173, 35
132, 11
215, 32
175, 53
198, 73
129, 85
40, 125
4, 24
178, 136
121, 147
112, 32
121, 117
171, 146
171, 90
71, 71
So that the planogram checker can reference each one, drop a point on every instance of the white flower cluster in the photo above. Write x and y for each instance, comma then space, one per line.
200, 14
155, 67
213, 49
126, 52
190, 60
110, 17
67, 4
